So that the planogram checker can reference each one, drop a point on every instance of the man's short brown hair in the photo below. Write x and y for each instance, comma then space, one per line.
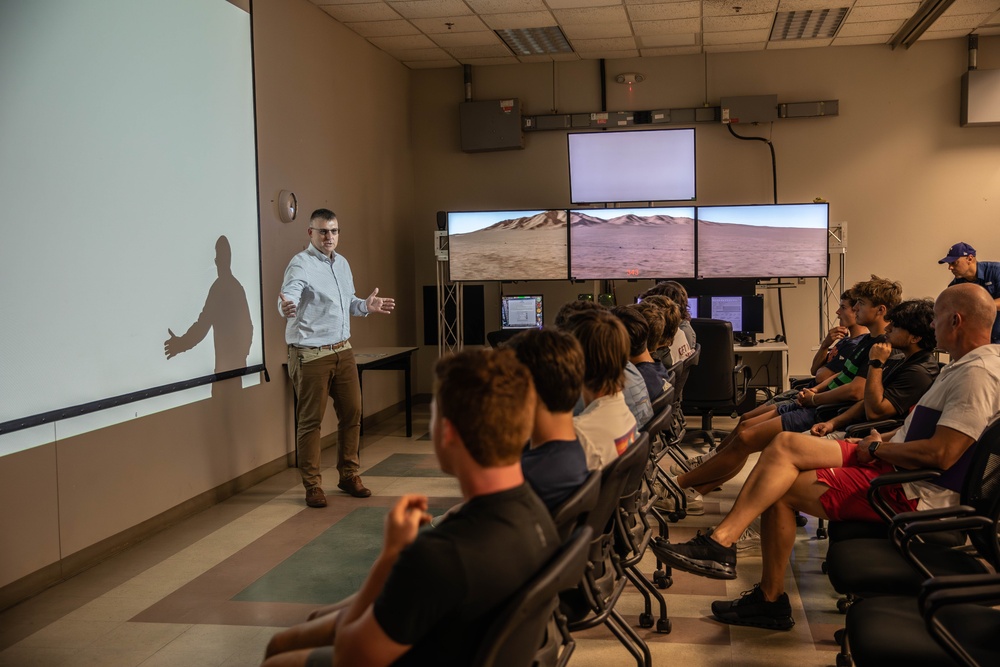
879, 291
656, 319
636, 326
671, 317
555, 360
571, 308
489, 397
605, 349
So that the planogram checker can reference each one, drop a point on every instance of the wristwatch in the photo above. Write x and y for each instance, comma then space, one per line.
876, 363
873, 447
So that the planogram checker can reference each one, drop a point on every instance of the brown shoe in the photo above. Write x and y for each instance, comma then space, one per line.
315, 497
353, 486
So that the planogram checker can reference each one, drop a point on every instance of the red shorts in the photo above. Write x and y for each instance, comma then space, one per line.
847, 497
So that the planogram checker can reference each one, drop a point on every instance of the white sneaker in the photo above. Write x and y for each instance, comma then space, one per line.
749, 543
692, 463
695, 503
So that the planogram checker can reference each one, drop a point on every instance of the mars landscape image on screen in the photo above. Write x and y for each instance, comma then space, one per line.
508, 245
627, 243
765, 241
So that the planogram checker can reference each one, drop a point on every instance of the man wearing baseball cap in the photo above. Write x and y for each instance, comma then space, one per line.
962, 262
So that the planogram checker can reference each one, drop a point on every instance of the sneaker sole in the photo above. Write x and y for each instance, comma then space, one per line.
709, 569
765, 622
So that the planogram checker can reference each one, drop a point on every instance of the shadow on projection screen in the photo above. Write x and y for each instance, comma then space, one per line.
131, 253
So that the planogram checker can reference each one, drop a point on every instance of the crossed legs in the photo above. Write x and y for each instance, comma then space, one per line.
750, 435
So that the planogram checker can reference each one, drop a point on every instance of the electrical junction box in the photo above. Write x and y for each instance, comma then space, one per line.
749, 109
491, 125
981, 97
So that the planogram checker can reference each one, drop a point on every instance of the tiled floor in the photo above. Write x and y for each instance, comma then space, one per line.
212, 590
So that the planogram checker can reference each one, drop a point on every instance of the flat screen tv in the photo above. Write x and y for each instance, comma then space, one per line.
745, 313
631, 243
521, 311
763, 241
508, 245
631, 166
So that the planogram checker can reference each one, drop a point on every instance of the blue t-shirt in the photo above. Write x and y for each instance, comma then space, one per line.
987, 275
554, 470
655, 374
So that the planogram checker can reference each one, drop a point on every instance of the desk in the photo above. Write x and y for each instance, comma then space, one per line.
768, 364
386, 359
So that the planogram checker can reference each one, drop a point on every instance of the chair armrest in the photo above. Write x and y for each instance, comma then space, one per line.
878, 501
938, 592
740, 387
825, 412
912, 531
864, 428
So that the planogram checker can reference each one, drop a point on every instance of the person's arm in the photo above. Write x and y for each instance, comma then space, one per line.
877, 406
360, 640
847, 393
291, 289
832, 338
942, 450
851, 415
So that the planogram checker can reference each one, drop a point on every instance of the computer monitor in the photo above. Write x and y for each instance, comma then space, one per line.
745, 313
521, 311
507, 245
693, 306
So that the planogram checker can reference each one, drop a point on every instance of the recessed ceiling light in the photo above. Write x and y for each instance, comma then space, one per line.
807, 24
535, 41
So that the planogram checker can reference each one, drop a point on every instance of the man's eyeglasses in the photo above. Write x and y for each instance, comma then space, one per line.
325, 232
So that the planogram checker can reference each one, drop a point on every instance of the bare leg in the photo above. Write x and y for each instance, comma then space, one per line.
746, 421
728, 462
305, 657
311, 634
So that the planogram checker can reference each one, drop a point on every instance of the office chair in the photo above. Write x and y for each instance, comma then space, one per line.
572, 512
719, 384
498, 338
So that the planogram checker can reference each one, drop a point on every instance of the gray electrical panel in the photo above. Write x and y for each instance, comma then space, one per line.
749, 109
981, 97
491, 125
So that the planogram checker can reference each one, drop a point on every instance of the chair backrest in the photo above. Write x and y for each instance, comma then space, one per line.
498, 338
981, 489
573, 511
712, 378
613, 479
659, 421
519, 630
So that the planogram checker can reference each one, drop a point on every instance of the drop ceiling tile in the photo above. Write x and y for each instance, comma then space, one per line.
882, 13
656, 41
519, 20
798, 5
608, 55
369, 11
486, 62
406, 55
966, 21
459, 24
613, 44
666, 27
972, 7
798, 43
340, 2
736, 37
383, 28
861, 39
622, 29
669, 10
486, 51
590, 15
432, 64
725, 7
502, 6
730, 48
870, 28
944, 34
428, 9
874, 3
402, 42
559, 57
573, 4
671, 51
452, 39
741, 22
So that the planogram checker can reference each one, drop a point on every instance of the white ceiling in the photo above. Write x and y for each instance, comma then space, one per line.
446, 33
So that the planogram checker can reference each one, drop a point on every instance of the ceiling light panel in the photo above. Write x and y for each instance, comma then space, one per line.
535, 41
807, 24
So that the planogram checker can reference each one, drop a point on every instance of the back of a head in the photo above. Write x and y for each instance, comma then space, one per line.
656, 321
916, 316
555, 360
605, 350
671, 316
974, 303
489, 397
674, 291
635, 325
572, 307
880, 291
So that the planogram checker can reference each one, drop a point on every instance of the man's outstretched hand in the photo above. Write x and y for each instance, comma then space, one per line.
378, 304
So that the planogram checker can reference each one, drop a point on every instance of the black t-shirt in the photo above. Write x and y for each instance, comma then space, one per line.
857, 363
446, 586
555, 469
904, 381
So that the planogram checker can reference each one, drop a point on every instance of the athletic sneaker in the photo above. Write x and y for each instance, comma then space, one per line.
692, 463
702, 556
695, 503
752, 609
749, 543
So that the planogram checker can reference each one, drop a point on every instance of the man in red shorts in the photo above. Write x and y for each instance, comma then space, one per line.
830, 479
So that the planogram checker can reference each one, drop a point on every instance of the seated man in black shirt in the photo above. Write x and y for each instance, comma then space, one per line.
553, 461
894, 385
430, 597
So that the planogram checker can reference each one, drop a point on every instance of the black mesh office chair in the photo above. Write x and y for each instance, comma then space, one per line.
718, 384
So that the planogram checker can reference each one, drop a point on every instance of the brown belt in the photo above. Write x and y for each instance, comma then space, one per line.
332, 346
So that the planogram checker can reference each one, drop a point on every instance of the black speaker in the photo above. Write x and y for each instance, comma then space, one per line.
442, 220
473, 301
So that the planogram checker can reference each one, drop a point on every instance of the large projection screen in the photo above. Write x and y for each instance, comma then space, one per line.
128, 176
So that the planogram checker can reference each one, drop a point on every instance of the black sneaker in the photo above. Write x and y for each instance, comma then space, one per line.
702, 555
752, 609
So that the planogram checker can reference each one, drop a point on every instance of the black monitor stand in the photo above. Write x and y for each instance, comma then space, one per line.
744, 339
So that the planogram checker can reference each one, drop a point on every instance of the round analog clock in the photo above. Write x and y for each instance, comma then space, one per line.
288, 206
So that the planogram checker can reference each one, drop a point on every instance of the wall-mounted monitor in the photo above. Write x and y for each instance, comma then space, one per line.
764, 241
745, 313
507, 245
609, 167
631, 243
693, 306
521, 311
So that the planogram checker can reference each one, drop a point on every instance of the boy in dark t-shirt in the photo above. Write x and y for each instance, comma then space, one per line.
430, 597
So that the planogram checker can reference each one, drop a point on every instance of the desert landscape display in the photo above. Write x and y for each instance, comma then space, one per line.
728, 250
520, 248
615, 244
